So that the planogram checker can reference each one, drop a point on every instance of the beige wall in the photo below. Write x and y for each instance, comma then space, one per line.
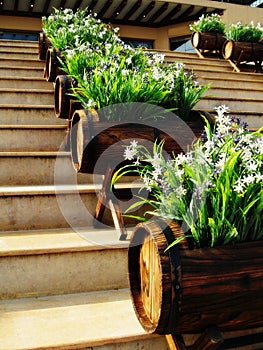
20, 23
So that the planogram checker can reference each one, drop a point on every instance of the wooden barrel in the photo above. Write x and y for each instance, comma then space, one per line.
91, 139
43, 45
63, 85
207, 41
52, 65
242, 51
183, 290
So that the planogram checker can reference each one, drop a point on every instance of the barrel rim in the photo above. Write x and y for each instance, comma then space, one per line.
169, 300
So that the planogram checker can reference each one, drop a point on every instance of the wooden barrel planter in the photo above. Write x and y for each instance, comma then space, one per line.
207, 41
43, 45
52, 65
242, 51
90, 138
183, 290
63, 87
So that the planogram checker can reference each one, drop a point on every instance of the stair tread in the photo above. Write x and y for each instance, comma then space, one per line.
23, 78
16, 90
58, 241
59, 189
31, 126
34, 154
28, 106
77, 320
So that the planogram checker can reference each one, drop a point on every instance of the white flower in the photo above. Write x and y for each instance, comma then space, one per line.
129, 153
252, 166
249, 179
239, 186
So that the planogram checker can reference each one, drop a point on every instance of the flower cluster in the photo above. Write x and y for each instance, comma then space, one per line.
215, 190
209, 24
107, 71
245, 32
67, 31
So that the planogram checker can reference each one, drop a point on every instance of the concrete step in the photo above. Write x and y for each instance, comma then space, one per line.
239, 93
102, 320
215, 67
58, 206
47, 207
232, 82
38, 168
17, 62
81, 261
31, 138
24, 83
32, 96
207, 74
254, 119
238, 104
10, 71
29, 114
18, 52
18, 43
34, 168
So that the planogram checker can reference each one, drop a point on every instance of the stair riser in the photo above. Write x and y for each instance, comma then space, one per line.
20, 62
239, 94
31, 139
21, 72
30, 212
14, 52
200, 63
29, 116
5, 43
142, 344
207, 68
253, 121
37, 98
26, 171
226, 75
217, 83
24, 84
247, 106
72, 272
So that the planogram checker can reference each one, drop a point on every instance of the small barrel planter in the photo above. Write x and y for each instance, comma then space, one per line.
62, 89
207, 41
242, 51
52, 65
92, 139
43, 45
183, 290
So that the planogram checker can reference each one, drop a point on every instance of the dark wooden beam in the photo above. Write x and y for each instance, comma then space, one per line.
132, 10
77, 5
31, 6
62, 4
195, 17
92, 5
187, 12
201, 12
106, 6
158, 13
119, 8
16, 5
45, 9
173, 12
145, 12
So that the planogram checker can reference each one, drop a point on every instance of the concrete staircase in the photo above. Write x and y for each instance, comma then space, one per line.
63, 284
241, 92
